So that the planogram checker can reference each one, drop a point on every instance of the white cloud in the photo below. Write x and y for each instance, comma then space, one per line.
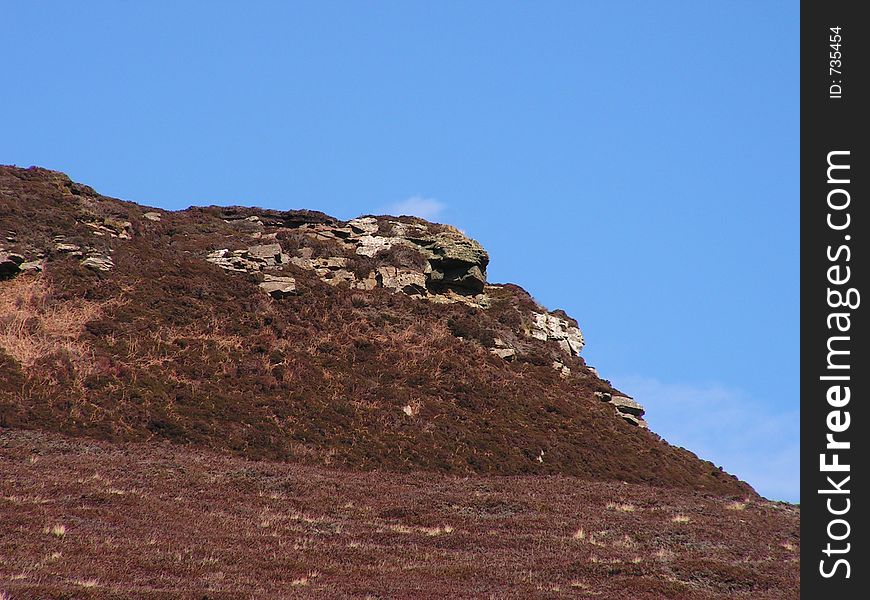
418, 206
727, 427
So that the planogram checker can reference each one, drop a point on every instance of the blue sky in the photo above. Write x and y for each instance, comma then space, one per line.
634, 163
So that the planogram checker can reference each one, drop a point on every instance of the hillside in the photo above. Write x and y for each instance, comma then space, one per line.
373, 343
228, 402
85, 519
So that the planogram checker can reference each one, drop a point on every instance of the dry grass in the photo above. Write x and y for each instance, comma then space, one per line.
56, 530
427, 531
438, 530
412, 409
345, 534
34, 328
663, 554
596, 538
621, 507
735, 505
681, 519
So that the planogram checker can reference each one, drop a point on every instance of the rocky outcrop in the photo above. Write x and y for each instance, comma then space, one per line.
404, 280
437, 263
448, 266
265, 254
31, 265
111, 226
505, 353
431, 262
626, 407
563, 369
552, 327
64, 248
453, 261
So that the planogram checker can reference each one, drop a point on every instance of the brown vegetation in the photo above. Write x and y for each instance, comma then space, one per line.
85, 519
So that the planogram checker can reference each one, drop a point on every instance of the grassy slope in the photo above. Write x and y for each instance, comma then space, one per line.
160, 521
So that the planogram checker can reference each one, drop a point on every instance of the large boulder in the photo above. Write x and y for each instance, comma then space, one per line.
456, 262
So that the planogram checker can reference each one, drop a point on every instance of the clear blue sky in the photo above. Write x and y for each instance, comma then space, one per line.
635, 163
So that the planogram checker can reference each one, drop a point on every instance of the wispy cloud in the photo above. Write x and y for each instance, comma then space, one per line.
727, 427
418, 206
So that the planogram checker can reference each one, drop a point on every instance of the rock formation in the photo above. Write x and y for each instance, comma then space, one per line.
432, 262
435, 262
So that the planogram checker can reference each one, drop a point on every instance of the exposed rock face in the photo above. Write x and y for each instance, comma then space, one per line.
403, 280
369, 245
268, 254
564, 370
364, 225
549, 326
634, 420
457, 262
450, 267
453, 261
